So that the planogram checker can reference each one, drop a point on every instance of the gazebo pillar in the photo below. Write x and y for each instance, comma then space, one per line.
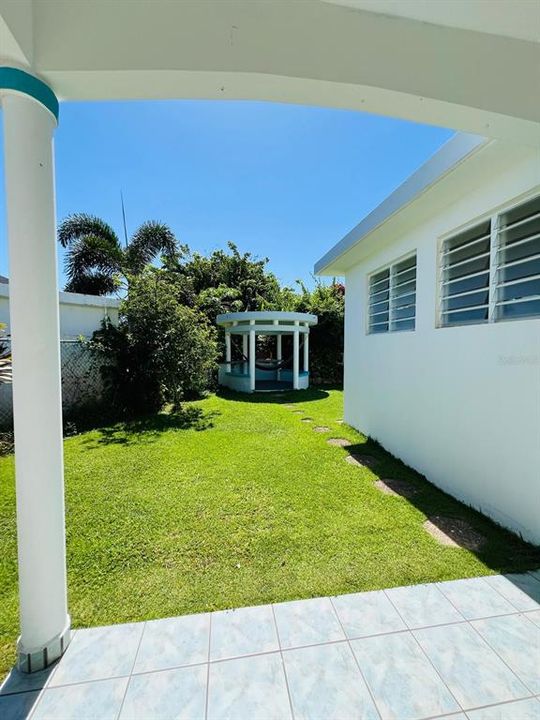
306, 350
296, 356
30, 111
228, 351
252, 352
249, 324
278, 349
245, 351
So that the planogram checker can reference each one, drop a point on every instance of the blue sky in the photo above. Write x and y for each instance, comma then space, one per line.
282, 181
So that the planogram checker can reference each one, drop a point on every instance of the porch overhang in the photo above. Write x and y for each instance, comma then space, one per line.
412, 61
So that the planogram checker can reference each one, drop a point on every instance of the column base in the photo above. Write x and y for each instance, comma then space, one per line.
31, 660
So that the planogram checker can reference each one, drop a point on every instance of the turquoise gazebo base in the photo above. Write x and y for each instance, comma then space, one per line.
265, 381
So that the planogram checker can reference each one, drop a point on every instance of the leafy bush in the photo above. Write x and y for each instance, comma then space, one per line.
226, 281
326, 338
161, 351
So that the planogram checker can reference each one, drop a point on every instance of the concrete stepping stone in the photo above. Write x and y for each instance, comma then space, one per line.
454, 532
307, 419
396, 487
361, 460
321, 429
298, 412
339, 442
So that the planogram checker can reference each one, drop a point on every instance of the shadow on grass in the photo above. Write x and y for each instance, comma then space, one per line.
149, 429
502, 551
278, 397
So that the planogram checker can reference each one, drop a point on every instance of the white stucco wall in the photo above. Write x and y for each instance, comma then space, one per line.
461, 404
79, 314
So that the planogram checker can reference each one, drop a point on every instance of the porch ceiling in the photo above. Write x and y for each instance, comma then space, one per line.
316, 52
466, 14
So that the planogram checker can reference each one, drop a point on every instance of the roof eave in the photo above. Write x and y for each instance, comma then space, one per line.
447, 158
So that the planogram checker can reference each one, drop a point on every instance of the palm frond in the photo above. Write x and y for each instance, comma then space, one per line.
91, 265
93, 283
80, 225
150, 240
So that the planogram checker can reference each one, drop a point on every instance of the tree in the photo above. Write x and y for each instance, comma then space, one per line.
326, 338
161, 352
96, 262
226, 281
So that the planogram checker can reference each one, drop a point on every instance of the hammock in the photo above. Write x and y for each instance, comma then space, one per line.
269, 365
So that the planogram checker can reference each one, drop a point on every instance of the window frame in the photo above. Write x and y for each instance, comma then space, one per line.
493, 216
391, 274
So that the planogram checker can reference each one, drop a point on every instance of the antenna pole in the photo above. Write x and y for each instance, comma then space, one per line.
124, 218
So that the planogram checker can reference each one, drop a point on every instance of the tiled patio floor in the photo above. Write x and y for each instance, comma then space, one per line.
461, 649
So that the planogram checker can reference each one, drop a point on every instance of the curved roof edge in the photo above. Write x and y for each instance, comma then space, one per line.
266, 316
449, 155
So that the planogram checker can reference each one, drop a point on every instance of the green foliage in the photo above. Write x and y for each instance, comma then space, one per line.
226, 281
161, 352
97, 264
326, 338
213, 301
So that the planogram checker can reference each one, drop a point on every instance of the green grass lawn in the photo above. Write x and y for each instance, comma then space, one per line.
237, 502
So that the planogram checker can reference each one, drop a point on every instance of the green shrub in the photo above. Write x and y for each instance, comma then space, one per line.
326, 338
161, 351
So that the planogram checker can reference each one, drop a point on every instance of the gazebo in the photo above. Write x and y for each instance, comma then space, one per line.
281, 369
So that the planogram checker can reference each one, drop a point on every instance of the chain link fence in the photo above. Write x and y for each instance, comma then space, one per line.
81, 381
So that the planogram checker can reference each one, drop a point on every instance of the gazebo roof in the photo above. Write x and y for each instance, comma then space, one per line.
266, 321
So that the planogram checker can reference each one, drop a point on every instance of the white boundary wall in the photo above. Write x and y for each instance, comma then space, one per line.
459, 404
79, 314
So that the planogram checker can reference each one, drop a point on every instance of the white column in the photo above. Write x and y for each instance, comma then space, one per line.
278, 351
30, 202
306, 350
296, 357
245, 350
228, 351
252, 351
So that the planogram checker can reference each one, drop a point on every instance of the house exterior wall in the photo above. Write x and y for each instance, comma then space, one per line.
459, 404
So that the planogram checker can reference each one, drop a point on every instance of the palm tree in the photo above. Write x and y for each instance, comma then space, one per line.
96, 262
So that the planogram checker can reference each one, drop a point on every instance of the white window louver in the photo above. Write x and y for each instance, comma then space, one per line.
491, 271
379, 301
517, 276
464, 287
392, 297
403, 295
